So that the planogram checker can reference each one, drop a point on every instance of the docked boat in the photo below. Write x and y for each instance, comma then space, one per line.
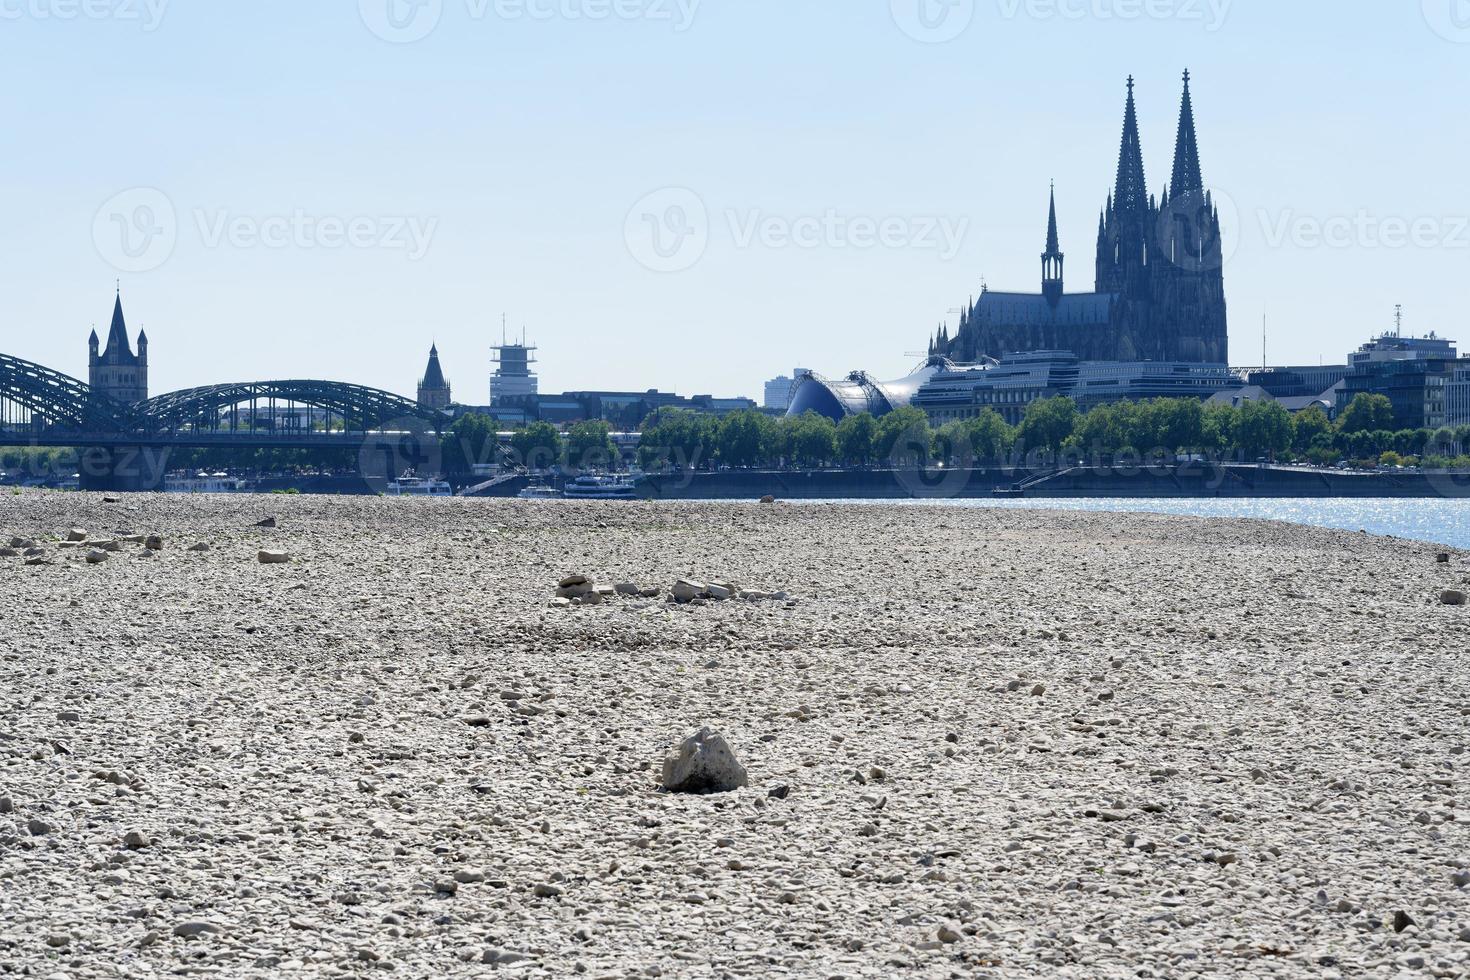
599, 488
539, 493
409, 485
203, 482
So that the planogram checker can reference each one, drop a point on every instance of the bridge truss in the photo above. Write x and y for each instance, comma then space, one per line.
42, 405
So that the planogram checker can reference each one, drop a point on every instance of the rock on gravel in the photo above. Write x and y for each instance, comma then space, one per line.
703, 763
270, 557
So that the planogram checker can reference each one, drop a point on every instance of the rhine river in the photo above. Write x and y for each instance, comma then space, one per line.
1440, 521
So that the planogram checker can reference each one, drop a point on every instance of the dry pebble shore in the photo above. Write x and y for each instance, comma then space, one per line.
978, 743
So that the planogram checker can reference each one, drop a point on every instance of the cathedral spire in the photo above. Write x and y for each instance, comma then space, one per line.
1053, 245
1052, 261
1131, 194
1187, 178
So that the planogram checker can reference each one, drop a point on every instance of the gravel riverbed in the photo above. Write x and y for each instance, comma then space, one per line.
979, 743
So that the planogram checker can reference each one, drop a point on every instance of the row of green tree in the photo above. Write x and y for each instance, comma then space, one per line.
679, 439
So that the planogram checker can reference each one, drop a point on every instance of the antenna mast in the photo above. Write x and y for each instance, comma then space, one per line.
1398, 321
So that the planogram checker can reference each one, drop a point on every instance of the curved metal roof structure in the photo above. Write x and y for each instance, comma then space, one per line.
860, 392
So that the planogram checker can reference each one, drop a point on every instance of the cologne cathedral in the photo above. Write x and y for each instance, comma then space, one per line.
1160, 289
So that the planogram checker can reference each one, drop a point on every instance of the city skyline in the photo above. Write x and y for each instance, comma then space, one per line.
321, 233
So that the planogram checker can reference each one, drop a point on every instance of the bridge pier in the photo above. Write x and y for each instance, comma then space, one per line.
125, 469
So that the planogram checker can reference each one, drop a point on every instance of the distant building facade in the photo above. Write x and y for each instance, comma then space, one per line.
1414, 373
778, 390
117, 372
513, 380
1159, 291
434, 390
1015, 381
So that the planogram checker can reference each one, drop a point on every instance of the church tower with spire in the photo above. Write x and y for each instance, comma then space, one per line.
1159, 293
433, 387
117, 372
1053, 261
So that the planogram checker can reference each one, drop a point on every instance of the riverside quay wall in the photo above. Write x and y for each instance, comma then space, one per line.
1181, 480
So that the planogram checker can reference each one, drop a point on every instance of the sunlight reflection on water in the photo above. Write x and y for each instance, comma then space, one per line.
1437, 520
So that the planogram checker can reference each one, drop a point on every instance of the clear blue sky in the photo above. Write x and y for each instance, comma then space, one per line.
519, 136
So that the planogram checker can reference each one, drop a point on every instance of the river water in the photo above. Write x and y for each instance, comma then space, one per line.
1440, 521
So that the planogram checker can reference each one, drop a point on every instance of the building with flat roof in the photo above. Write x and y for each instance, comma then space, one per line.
1413, 373
513, 378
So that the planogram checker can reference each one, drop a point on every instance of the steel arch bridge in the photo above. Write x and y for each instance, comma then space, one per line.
37, 396
40, 405
240, 407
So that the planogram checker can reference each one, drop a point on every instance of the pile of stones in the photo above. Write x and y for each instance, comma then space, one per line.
580, 590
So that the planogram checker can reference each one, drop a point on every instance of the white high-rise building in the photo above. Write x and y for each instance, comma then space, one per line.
778, 390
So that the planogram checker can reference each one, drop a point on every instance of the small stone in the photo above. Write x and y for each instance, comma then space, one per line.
57, 940
267, 557
446, 887
1460, 878
96, 557
136, 840
193, 930
467, 877
630, 590
1401, 921
268, 522
544, 890
703, 763
76, 534
720, 592
200, 546
778, 792
1452, 597
877, 774
39, 828
71, 716
7, 805
687, 590
768, 499
948, 936
1443, 557
1038, 690
153, 542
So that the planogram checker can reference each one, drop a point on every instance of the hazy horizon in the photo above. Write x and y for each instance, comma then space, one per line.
695, 196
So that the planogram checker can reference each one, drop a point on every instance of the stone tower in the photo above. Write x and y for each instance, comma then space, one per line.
433, 388
117, 372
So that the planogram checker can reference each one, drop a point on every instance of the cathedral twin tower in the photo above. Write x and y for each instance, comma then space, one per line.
1160, 287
